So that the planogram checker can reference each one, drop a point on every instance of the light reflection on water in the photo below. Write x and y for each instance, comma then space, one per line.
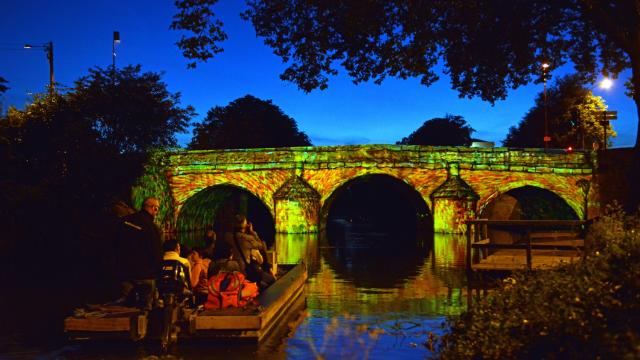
378, 301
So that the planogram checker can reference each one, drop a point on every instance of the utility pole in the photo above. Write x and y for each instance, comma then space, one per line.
547, 138
48, 48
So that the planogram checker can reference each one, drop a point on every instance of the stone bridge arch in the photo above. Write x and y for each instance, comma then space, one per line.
423, 190
568, 191
200, 211
338, 187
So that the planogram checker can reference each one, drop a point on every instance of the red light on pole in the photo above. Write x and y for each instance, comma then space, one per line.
547, 138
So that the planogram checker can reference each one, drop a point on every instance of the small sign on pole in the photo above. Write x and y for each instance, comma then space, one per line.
606, 116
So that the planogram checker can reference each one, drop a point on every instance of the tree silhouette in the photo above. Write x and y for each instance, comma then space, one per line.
573, 115
485, 47
451, 130
3, 87
67, 155
132, 111
90, 143
247, 122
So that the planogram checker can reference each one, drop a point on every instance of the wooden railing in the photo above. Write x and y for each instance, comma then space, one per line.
535, 235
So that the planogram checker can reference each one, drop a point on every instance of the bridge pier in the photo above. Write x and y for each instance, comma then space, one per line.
454, 202
297, 207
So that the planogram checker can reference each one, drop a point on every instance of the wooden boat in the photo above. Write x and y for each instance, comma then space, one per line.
253, 322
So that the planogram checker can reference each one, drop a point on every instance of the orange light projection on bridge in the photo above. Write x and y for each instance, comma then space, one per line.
296, 184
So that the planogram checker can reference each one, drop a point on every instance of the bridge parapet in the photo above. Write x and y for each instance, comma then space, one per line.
407, 156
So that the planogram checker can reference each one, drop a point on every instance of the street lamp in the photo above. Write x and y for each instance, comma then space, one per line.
48, 48
547, 138
607, 116
606, 83
116, 40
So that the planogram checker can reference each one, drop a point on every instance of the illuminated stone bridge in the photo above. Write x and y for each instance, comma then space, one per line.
298, 185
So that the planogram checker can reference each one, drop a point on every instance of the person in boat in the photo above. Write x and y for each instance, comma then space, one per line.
227, 286
199, 274
249, 249
175, 273
139, 252
209, 244
172, 252
223, 260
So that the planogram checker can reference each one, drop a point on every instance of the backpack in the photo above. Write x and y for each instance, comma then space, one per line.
173, 278
229, 289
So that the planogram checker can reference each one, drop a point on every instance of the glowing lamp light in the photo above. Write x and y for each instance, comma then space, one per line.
570, 149
545, 66
606, 83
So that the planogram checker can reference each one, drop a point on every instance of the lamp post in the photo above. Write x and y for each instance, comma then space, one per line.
48, 48
606, 84
116, 40
547, 138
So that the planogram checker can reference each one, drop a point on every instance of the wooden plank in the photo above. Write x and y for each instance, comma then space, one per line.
530, 223
273, 260
275, 291
555, 235
141, 329
468, 257
291, 288
280, 314
231, 322
509, 261
97, 324
523, 247
577, 243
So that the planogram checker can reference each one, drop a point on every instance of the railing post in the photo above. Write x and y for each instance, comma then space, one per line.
528, 240
468, 257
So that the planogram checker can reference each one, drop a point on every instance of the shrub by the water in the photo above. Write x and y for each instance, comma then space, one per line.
586, 310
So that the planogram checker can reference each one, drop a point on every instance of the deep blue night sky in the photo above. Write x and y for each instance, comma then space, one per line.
81, 32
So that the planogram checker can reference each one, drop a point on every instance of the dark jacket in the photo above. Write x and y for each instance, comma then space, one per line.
139, 247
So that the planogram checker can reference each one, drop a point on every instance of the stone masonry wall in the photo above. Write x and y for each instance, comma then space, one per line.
488, 172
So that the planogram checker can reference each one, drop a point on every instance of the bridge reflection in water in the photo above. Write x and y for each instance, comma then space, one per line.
354, 292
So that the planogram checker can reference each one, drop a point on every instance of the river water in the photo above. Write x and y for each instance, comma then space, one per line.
373, 298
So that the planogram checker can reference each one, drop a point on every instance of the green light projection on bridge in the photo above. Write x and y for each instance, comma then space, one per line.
154, 183
199, 212
176, 177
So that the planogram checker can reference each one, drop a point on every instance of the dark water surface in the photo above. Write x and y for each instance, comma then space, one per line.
369, 298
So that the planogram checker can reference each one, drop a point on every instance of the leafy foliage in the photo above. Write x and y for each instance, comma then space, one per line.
131, 111
451, 130
94, 138
573, 115
377, 39
197, 16
247, 122
587, 310
3, 87
65, 156
485, 47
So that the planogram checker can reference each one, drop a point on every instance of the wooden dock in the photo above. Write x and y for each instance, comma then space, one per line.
523, 244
